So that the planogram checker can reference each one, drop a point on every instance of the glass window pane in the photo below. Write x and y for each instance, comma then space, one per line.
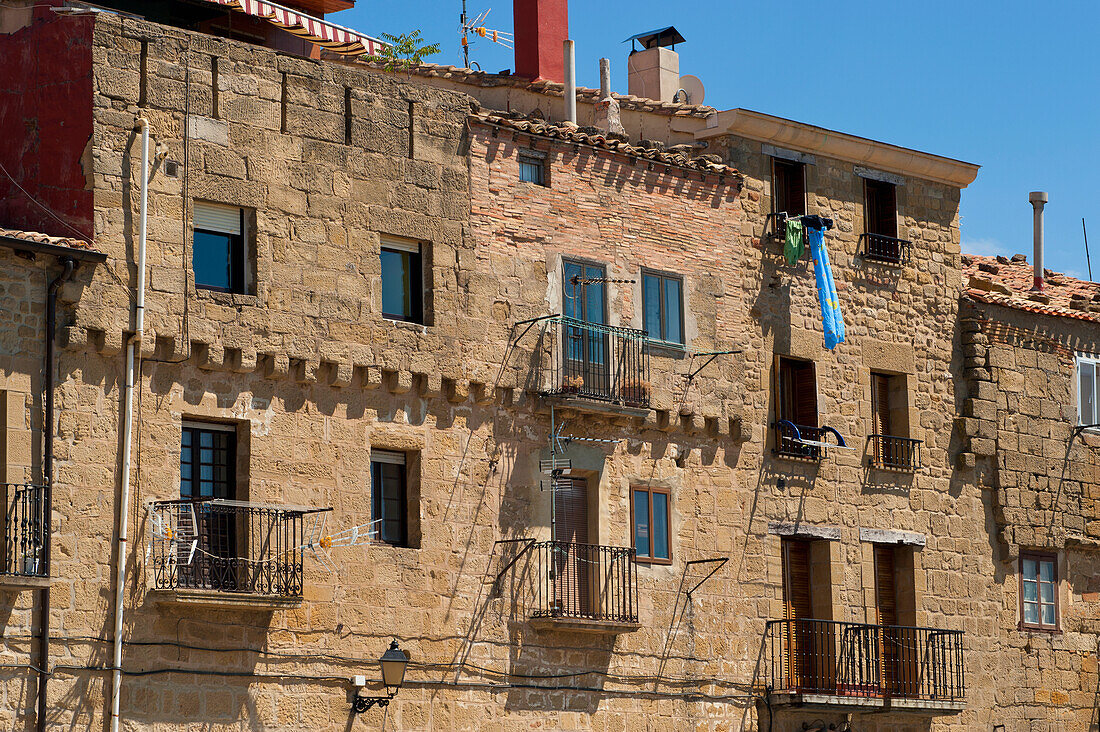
571, 295
672, 311
531, 170
1031, 591
396, 283
1046, 571
594, 305
210, 256
1031, 569
1087, 392
1031, 612
1046, 591
641, 523
660, 526
652, 312
1048, 614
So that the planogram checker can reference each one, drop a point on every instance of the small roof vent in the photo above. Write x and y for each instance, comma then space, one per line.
656, 38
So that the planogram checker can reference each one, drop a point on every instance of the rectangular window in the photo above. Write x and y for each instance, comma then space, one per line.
797, 392
208, 459
788, 187
891, 447
1038, 591
880, 208
218, 251
650, 520
663, 313
532, 169
1088, 368
402, 280
389, 497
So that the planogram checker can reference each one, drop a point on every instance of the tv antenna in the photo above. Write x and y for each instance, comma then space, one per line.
476, 27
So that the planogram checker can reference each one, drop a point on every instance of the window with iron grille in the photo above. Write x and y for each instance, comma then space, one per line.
532, 169
218, 256
389, 497
663, 313
649, 510
1038, 591
881, 207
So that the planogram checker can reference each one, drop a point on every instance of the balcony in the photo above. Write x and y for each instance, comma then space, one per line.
214, 551
900, 454
856, 666
584, 587
581, 361
803, 442
24, 538
882, 248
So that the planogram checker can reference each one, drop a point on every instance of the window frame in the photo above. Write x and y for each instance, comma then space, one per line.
649, 490
379, 457
1094, 361
781, 401
1039, 557
236, 253
662, 315
534, 159
778, 163
417, 295
195, 428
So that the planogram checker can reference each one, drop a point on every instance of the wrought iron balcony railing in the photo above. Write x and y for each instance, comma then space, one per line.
593, 361
803, 441
861, 660
882, 248
586, 582
228, 546
894, 453
25, 530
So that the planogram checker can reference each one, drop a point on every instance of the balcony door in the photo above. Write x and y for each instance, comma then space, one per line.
801, 640
572, 564
208, 457
898, 645
586, 349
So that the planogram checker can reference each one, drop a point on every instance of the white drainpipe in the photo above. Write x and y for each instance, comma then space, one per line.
1038, 200
133, 353
570, 82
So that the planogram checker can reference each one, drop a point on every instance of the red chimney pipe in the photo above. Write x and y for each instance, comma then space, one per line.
540, 26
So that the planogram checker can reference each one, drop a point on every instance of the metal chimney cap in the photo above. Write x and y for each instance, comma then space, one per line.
1038, 197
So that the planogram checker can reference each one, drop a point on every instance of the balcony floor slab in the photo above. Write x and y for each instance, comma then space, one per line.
826, 702
584, 625
926, 706
594, 406
225, 600
18, 582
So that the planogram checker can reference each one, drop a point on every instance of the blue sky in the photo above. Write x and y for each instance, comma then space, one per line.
1011, 85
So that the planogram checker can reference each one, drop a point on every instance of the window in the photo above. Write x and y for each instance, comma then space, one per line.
532, 169
788, 187
1038, 591
208, 460
880, 208
796, 397
663, 313
1088, 368
890, 443
649, 517
218, 252
402, 280
389, 497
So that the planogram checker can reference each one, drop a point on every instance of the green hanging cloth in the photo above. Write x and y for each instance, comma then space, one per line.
796, 240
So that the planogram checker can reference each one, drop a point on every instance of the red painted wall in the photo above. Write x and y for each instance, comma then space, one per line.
46, 124
540, 28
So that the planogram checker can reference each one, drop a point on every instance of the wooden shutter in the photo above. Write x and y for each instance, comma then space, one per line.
571, 510
886, 593
880, 404
805, 395
797, 597
881, 208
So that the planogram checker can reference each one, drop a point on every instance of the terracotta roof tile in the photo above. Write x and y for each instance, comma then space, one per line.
1007, 281
39, 238
677, 155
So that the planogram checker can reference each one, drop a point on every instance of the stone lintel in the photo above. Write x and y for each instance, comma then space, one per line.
892, 536
804, 531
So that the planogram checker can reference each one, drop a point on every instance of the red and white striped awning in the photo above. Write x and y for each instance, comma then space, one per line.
329, 35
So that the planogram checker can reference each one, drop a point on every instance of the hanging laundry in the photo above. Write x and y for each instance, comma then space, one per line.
816, 222
796, 240
831, 319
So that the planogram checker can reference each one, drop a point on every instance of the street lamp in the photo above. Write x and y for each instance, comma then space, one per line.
394, 662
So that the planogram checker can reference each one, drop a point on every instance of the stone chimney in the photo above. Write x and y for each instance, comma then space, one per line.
654, 71
540, 27
607, 108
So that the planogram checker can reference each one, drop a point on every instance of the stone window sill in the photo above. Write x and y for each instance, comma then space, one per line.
235, 299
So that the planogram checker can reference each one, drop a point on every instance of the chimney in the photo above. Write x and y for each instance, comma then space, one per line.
1038, 201
654, 71
541, 27
607, 108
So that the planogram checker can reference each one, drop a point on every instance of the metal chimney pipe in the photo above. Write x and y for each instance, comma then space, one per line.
1038, 200
570, 81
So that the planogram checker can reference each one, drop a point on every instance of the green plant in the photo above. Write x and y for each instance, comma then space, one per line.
404, 51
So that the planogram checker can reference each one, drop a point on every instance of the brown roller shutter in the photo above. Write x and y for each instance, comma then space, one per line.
571, 510
880, 404
800, 637
885, 585
805, 394
796, 588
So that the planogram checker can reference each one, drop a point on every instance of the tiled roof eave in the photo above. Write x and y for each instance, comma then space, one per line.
1008, 301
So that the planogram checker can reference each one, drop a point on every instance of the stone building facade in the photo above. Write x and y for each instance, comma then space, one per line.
519, 586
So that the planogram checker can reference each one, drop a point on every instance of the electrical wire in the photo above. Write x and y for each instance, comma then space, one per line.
44, 207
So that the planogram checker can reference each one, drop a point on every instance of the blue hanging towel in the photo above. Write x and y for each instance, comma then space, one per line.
831, 319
